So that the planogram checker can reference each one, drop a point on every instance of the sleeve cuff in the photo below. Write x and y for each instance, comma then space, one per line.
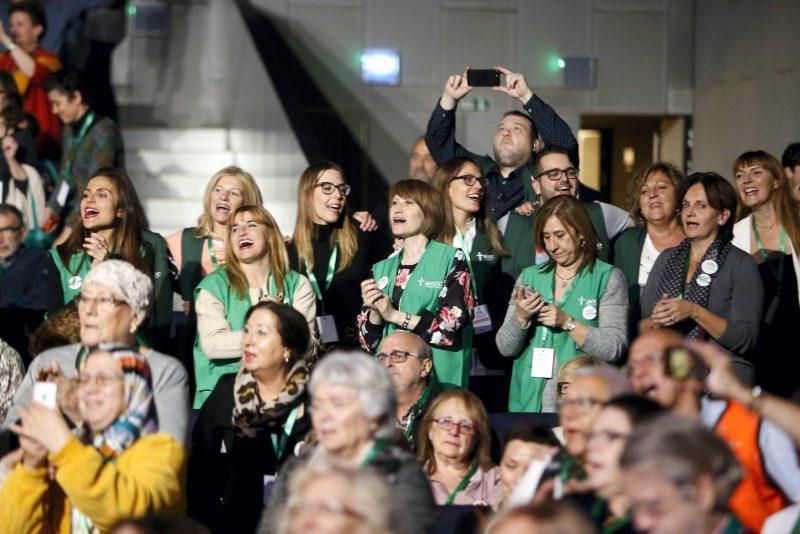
72, 448
424, 324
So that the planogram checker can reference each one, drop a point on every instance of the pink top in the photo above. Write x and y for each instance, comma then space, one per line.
484, 489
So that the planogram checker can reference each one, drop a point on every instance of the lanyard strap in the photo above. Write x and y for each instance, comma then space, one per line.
408, 432
77, 140
279, 443
461, 485
212, 252
777, 273
376, 449
328, 276
460, 242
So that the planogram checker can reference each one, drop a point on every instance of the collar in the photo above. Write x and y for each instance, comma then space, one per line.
6, 263
78, 124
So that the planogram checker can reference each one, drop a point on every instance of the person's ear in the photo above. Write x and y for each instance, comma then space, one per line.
705, 492
537, 187
724, 216
38, 30
427, 367
77, 97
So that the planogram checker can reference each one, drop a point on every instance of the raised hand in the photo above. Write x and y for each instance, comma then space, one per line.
515, 85
455, 89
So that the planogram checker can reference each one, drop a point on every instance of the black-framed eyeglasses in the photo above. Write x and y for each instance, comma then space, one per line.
582, 404
396, 356
470, 179
328, 188
554, 175
9, 230
447, 424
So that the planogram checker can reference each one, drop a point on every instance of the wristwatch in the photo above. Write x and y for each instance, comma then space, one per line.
570, 325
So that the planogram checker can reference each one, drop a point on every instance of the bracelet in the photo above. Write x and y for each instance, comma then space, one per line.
755, 404
404, 326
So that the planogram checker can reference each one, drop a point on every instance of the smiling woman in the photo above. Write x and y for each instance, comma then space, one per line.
256, 270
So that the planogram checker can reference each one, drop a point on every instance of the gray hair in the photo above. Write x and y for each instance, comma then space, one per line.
680, 450
369, 378
369, 492
616, 381
123, 279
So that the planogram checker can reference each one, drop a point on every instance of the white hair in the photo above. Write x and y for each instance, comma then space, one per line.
368, 377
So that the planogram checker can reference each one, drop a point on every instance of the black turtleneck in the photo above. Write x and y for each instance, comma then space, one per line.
343, 298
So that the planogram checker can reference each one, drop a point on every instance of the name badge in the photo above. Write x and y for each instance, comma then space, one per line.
327, 329
589, 313
75, 282
383, 282
542, 363
481, 322
703, 280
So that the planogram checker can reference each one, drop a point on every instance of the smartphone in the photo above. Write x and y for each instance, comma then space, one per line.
483, 77
46, 393
682, 364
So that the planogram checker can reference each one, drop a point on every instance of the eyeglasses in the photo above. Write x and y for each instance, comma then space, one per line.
583, 404
9, 231
99, 380
554, 175
470, 179
328, 188
562, 389
605, 435
102, 303
329, 506
396, 356
447, 424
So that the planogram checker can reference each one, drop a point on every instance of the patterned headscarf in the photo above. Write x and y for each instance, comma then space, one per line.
139, 416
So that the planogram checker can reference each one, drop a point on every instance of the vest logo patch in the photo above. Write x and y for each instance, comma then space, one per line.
158, 274
431, 284
480, 256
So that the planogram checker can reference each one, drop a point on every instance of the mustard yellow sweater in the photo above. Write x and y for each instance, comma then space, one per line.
146, 478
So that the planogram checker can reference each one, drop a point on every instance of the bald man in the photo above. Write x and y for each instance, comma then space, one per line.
421, 165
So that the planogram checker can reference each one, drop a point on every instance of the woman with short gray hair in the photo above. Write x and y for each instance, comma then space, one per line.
353, 408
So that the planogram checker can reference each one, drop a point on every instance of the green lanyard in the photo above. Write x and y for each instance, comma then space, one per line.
420, 403
328, 276
77, 140
279, 444
460, 242
461, 485
376, 449
212, 252
777, 273
272, 289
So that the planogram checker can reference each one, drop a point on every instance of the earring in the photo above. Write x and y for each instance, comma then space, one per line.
583, 243
133, 328
286, 360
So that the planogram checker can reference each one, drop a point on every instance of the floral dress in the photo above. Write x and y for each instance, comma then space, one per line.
443, 328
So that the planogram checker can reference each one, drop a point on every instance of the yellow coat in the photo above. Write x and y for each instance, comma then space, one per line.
146, 478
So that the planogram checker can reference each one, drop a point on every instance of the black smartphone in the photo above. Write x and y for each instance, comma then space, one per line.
483, 77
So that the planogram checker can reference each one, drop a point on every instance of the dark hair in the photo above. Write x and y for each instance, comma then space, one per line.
442, 178
532, 433
292, 327
637, 409
429, 200
546, 151
10, 209
13, 112
572, 214
161, 525
634, 190
791, 156
518, 113
68, 82
34, 10
721, 196
127, 230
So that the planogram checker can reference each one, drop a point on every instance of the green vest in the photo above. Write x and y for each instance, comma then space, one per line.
207, 371
483, 261
161, 314
72, 275
585, 293
452, 365
191, 268
600, 232
627, 256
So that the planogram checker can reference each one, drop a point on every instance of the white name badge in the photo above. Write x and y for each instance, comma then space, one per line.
542, 363
327, 329
61, 195
481, 322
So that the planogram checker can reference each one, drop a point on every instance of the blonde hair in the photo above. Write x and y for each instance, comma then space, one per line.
343, 236
251, 195
276, 250
442, 179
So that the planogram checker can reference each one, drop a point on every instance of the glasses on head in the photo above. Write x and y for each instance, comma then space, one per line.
328, 188
470, 179
554, 175
102, 303
99, 380
321, 506
396, 356
9, 231
447, 424
582, 404
606, 436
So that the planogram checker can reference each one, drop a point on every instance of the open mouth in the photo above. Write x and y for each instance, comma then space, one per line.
223, 209
245, 244
90, 213
564, 188
655, 205
398, 220
649, 390
477, 197
336, 208
750, 191
248, 356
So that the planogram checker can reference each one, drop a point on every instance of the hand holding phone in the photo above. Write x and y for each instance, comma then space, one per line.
483, 77
46, 393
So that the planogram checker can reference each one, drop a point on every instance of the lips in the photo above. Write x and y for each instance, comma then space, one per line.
336, 208
90, 213
654, 205
477, 197
750, 191
566, 188
248, 356
245, 244
398, 220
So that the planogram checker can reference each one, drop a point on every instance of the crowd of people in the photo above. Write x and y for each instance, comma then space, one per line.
525, 357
